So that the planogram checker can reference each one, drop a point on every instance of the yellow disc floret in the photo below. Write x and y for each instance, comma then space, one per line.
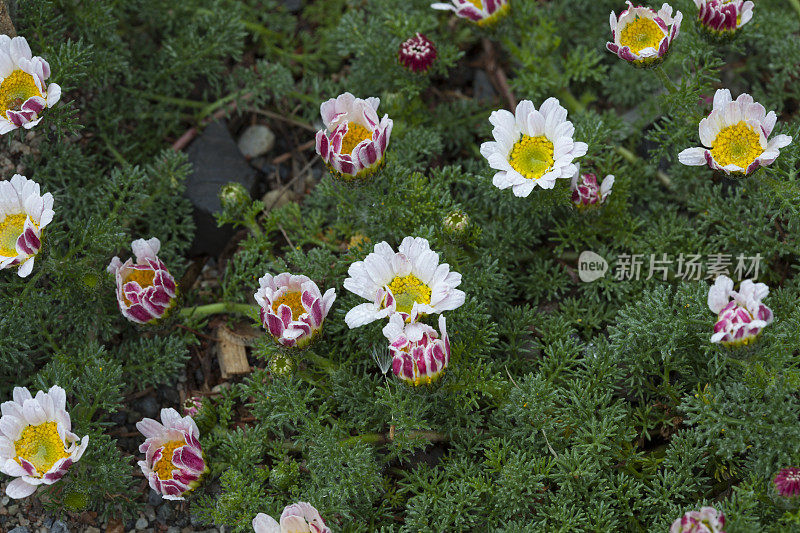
407, 290
163, 467
15, 89
11, 228
738, 145
292, 300
532, 156
41, 446
641, 33
355, 134
143, 277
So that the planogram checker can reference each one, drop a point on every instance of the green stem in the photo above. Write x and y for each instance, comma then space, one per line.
570, 102
202, 311
323, 362
795, 5
668, 85
633, 158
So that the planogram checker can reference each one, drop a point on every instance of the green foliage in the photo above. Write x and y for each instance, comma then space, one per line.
566, 406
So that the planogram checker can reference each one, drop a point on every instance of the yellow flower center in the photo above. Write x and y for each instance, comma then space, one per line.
355, 134
477, 3
11, 228
738, 145
143, 277
293, 301
532, 156
41, 446
15, 90
163, 467
407, 290
641, 33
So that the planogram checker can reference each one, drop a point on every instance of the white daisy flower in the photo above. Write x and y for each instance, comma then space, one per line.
734, 136
410, 282
300, 517
24, 211
532, 147
36, 444
481, 12
23, 92
642, 36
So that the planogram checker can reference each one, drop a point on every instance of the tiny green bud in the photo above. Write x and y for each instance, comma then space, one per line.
76, 500
456, 223
234, 199
281, 364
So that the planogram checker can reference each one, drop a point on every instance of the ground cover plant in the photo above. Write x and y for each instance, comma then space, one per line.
507, 266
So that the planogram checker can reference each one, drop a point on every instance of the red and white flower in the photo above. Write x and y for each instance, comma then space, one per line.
145, 289
787, 482
706, 520
419, 353
300, 517
417, 53
410, 282
481, 12
174, 460
532, 147
24, 211
721, 18
292, 308
37, 446
354, 140
734, 136
740, 315
587, 193
23, 91
642, 35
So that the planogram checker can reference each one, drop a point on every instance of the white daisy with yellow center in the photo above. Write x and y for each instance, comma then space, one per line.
410, 282
735, 136
36, 444
23, 91
23, 214
299, 517
532, 147
481, 12
642, 35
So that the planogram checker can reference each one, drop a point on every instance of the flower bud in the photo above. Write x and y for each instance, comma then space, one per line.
174, 461
456, 224
145, 289
235, 199
292, 308
586, 192
788, 482
417, 53
420, 355
740, 315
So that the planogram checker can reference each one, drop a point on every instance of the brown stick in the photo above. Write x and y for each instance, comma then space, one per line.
496, 71
6, 26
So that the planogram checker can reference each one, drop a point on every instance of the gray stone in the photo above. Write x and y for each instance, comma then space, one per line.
150, 514
256, 140
91, 529
20, 529
293, 6
148, 406
164, 514
215, 160
141, 524
154, 498
173, 529
12, 509
59, 527
482, 88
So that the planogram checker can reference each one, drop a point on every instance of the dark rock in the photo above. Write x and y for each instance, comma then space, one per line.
148, 406
164, 514
482, 88
198, 376
215, 160
48, 522
170, 396
118, 417
154, 499
59, 527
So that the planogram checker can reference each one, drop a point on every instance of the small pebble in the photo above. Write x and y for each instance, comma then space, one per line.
59, 527
256, 140
141, 523
12, 509
20, 529
154, 498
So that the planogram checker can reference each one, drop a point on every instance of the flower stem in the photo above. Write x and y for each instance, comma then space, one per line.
329, 366
668, 85
633, 158
202, 311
